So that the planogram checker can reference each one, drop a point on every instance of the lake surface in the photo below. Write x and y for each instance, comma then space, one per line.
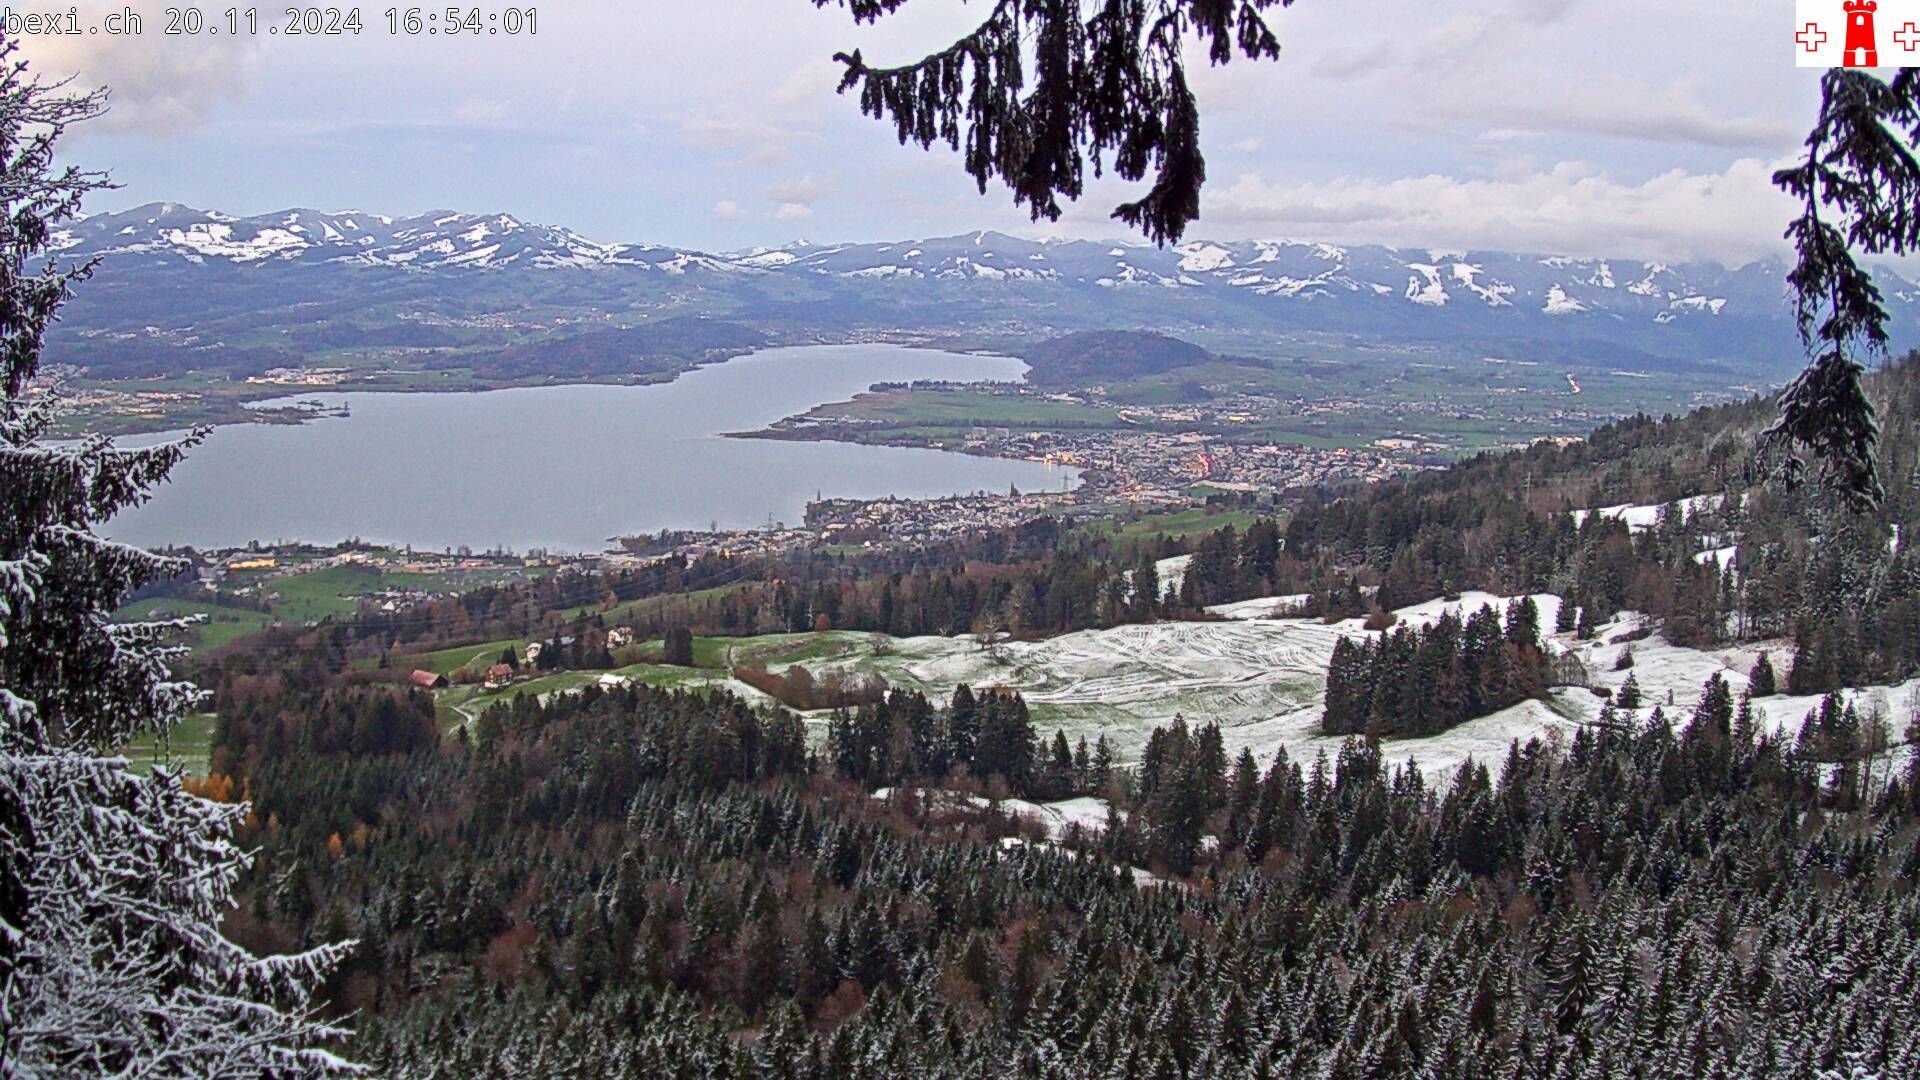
565, 467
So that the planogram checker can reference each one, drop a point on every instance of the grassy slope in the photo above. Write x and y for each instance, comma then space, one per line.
1180, 523
189, 745
222, 626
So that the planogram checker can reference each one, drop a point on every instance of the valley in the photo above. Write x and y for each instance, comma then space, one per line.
1347, 346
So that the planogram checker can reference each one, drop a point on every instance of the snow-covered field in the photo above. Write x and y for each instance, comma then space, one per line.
1642, 518
1262, 680
1056, 817
1722, 550
1668, 673
1172, 573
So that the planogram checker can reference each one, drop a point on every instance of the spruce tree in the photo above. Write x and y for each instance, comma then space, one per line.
1858, 186
1761, 681
111, 957
1629, 695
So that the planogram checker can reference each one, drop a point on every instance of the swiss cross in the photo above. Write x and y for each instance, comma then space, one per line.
1908, 36
1812, 37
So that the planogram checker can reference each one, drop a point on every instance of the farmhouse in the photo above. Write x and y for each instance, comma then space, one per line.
619, 637
499, 675
428, 680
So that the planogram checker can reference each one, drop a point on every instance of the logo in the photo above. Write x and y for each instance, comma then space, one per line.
1856, 33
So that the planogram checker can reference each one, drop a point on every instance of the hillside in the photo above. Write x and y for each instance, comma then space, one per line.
1078, 359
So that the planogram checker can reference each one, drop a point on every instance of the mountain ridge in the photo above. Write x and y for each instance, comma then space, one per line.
1639, 313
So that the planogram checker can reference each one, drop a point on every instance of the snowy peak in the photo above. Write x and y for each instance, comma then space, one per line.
171, 233
1592, 308
1369, 279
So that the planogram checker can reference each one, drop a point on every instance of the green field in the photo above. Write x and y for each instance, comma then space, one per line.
189, 744
945, 408
330, 592
1180, 524
639, 609
300, 597
222, 624
449, 660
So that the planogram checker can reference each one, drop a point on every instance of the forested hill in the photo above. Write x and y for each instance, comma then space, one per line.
1099, 355
665, 346
1685, 520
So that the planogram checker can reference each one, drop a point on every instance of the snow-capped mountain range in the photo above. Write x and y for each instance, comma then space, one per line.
164, 232
1617, 310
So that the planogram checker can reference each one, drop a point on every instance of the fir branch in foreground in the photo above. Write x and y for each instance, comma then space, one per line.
1860, 173
1109, 90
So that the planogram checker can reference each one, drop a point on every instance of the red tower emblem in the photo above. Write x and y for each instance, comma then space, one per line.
1860, 51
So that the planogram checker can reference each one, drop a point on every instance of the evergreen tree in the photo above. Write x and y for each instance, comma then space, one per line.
1761, 681
1102, 765
677, 648
963, 726
1857, 185
113, 885
1629, 696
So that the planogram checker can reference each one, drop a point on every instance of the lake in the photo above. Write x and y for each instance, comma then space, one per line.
565, 467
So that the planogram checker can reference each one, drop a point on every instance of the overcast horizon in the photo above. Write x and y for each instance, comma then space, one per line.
1625, 130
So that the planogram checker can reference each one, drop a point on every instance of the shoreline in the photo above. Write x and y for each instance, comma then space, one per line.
239, 405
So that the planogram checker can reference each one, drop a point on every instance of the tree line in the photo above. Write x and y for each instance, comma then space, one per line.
1422, 681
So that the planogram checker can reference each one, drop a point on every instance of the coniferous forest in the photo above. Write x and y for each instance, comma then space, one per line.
643, 883
1421, 682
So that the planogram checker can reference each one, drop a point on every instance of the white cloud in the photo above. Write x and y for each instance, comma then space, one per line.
809, 89
728, 210
1512, 67
800, 191
792, 212
153, 87
1734, 215
733, 127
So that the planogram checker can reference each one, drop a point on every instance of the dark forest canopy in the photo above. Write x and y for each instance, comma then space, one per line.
644, 883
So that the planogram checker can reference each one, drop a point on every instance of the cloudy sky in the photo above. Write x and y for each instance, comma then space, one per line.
1596, 127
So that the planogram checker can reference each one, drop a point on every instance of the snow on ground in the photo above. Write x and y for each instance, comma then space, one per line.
1056, 817
1721, 557
1671, 677
1263, 680
1424, 287
1559, 303
1641, 518
1266, 607
1172, 573
1722, 549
